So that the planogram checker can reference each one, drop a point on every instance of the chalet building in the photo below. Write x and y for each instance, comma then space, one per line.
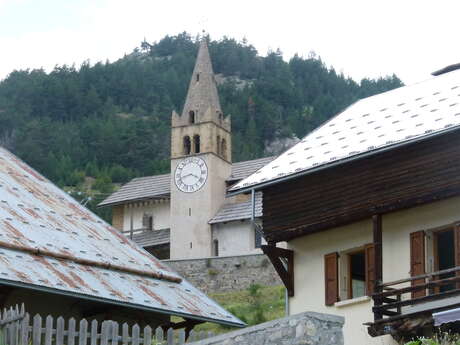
369, 204
58, 258
185, 214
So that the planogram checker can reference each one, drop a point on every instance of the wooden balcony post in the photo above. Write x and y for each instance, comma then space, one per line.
378, 262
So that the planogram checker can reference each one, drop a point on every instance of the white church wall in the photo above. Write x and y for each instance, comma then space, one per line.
235, 238
159, 210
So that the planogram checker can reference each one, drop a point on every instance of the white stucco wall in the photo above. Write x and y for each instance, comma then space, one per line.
235, 238
191, 235
309, 262
159, 209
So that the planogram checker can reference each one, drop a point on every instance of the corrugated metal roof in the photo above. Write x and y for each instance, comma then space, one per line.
238, 211
148, 238
370, 125
159, 186
48, 241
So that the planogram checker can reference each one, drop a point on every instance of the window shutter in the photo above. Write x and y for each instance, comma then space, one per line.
370, 268
331, 278
417, 260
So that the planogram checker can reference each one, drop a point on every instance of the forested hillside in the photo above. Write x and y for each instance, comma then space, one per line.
111, 121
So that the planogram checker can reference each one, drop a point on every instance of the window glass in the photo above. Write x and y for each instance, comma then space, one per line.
357, 274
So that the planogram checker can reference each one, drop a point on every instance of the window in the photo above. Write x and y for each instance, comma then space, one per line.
257, 239
349, 275
356, 274
216, 247
223, 149
196, 143
218, 144
187, 145
198, 77
191, 116
147, 221
444, 247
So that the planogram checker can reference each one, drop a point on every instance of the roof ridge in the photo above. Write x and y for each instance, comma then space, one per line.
88, 262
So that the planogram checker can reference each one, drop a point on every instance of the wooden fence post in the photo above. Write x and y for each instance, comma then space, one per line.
125, 336
71, 332
48, 330
159, 335
114, 340
82, 332
148, 335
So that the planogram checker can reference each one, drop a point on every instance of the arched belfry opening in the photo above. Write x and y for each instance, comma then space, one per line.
196, 143
223, 149
191, 117
187, 145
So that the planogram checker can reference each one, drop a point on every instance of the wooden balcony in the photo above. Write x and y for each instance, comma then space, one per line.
405, 306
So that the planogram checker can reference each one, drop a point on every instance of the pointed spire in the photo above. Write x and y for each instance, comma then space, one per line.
202, 98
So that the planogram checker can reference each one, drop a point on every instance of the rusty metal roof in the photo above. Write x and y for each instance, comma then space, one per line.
371, 125
48, 241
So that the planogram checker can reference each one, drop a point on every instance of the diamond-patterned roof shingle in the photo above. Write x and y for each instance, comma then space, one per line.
370, 125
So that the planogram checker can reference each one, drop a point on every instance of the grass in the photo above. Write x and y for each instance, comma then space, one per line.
438, 339
254, 305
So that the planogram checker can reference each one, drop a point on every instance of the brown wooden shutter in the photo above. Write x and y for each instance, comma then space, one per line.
331, 278
417, 260
370, 268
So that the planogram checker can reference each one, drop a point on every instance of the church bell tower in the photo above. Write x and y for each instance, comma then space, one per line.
200, 162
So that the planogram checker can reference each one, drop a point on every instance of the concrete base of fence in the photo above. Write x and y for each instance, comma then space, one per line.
300, 329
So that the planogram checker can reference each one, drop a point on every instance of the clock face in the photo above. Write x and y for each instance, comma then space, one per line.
191, 174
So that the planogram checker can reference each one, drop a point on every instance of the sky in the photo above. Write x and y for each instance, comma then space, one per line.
410, 38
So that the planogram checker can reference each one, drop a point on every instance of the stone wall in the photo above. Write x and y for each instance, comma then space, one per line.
305, 328
221, 274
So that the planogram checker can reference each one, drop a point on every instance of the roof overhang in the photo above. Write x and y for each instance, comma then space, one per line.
124, 202
133, 306
261, 186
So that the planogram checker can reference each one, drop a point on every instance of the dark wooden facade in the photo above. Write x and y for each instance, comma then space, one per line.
403, 177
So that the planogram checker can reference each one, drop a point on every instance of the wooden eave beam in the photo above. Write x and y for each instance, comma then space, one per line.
187, 324
378, 262
285, 271
352, 216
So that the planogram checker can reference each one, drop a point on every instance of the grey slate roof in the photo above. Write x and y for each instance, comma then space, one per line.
149, 238
239, 211
141, 188
371, 125
159, 186
242, 170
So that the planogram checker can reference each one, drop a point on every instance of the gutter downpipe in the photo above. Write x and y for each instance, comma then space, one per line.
256, 228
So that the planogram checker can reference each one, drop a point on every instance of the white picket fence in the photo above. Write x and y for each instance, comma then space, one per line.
17, 328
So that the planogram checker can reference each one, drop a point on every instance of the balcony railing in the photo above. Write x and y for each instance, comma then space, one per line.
391, 300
